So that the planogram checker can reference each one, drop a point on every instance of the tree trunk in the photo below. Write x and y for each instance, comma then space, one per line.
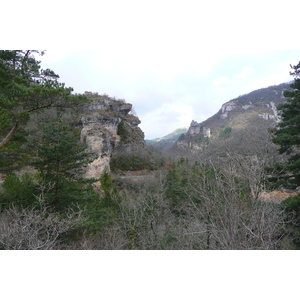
10, 135
57, 187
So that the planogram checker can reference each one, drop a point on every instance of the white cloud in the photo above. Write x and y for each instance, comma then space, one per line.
221, 81
165, 119
245, 72
279, 73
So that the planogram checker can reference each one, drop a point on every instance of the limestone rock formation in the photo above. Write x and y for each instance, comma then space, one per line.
246, 116
236, 113
198, 128
99, 123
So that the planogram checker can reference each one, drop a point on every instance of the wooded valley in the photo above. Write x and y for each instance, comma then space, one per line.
76, 173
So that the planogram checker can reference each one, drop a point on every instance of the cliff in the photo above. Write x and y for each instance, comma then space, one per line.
253, 112
106, 124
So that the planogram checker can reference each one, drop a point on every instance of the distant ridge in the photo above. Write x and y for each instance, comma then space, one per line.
244, 122
168, 140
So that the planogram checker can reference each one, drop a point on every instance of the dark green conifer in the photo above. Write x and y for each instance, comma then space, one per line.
287, 135
25, 88
60, 161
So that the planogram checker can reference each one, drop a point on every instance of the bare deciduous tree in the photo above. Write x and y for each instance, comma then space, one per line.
35, 229
234, 217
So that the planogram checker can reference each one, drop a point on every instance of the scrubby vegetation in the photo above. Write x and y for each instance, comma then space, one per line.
138, 157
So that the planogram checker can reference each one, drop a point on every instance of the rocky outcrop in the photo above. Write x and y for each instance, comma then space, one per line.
100, 123
198, 128
238, 121
229, 106
196, 138
236, 112
273, 116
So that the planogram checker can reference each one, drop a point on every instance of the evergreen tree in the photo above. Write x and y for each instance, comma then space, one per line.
60, 158
176, 180
287, 135
18, 191
25, 88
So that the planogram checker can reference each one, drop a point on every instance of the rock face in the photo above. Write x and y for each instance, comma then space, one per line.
240, 118
99, 123
235, 113
198, 128
229, 106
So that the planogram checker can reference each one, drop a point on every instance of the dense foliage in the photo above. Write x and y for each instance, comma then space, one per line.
53, 150
59, 161
24, 89
137, 157
287, 137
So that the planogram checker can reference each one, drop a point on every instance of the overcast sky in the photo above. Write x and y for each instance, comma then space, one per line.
175, 61
169, 90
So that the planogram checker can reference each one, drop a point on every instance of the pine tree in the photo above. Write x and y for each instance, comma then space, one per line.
24, 89
60, 160
18, 191
287, 135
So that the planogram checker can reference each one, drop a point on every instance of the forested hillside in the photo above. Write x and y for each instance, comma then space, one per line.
76, 173
166, 142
